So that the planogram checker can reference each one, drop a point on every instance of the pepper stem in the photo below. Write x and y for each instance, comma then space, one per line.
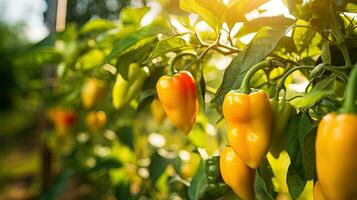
245, 86
175, 59
286, 75
351, 92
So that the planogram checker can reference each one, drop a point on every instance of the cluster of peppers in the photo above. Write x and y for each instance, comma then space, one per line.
253, 123
251, 118
256, 125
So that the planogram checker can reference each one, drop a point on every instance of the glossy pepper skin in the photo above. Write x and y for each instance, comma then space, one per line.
126, 90
178, 97
237, 175
281, 115
216, 186
336, 163
318, 195
249, 118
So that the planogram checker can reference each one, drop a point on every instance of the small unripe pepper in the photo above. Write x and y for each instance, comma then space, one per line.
216, 185
126, 90
237, 175
336, 145
282, 112
178, 97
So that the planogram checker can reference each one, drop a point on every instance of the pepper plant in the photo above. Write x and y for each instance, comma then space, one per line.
241, 99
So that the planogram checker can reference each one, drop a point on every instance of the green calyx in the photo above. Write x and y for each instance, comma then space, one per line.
176, 58
245, 86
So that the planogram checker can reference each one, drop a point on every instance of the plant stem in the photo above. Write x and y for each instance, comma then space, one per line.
286, 75
351, 92
245, 86
174, 60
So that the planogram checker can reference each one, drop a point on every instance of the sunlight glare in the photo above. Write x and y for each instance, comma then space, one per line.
155, 9
202, 26
178, 26
271, 8
247, 38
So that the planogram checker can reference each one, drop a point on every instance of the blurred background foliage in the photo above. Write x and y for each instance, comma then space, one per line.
80, 11
136, 153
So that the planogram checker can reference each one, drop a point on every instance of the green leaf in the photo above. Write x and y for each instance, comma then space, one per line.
58, 186
197, 136
263, 182
300, 143
309, 155
261, 46
258, 23
90, 60
157, 166
199, 183
311, 98
170, 44
108, 163
137, 53
298, 126
306, 40
239, 8
352, 7
125, 135
123, 44
122, 191
325, 84
295, 184
211, 12
145, 99
97, 26
264, 185
111, 37
132, 15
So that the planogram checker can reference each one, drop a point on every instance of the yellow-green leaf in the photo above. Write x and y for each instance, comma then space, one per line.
211, 11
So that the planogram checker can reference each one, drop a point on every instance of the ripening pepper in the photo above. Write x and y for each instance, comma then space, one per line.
178, 97
249, 118
216, 185
336, 146
93, 90
62, 118
282, 112
318, 195
237, 175
96, 120
336, 163
126, 90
